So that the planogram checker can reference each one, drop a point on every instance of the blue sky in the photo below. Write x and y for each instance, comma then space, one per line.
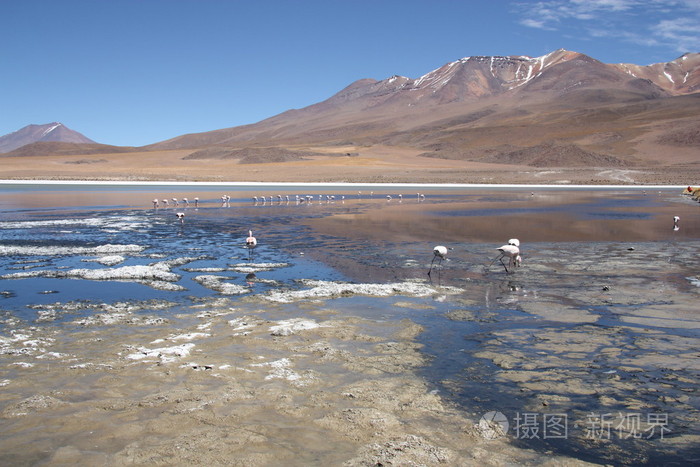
135, 72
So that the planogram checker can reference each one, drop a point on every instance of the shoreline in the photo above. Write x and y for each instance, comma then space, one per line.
117, 183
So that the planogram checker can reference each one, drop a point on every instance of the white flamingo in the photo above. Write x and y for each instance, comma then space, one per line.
439, 253
155, 203
181, 216
513, 254
196, 202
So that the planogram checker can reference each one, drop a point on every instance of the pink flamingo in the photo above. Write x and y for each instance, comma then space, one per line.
251, 242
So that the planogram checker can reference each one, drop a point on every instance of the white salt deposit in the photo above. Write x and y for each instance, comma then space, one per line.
111, 260
217, 284
280, 369
292, 326
243, 325
23, 364
14, 250
327, 289
154, 272
247, 268
119, 223
162, 285
165, 354
189, 336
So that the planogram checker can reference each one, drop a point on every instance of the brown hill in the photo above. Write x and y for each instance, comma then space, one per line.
553, 155
252, 155
44, 148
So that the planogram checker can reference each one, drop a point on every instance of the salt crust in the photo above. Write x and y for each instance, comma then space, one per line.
112, 223
327, 289
247, 268
157, 271
111, 260
217, 284
292, 326
16, 250
164, 354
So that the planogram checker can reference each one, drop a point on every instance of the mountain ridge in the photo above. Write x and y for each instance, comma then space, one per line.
560, 78
563, 109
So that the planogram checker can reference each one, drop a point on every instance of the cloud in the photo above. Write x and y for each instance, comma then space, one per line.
684, 32
547, 14
673, 24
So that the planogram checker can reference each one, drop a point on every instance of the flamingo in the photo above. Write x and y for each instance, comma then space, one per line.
196, 202
513, 254
181, 216
186, 201
440, 253
165, 202
155, 203
676, 219
251, 242
175, 202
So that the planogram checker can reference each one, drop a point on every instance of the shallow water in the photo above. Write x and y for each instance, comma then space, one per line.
599, 324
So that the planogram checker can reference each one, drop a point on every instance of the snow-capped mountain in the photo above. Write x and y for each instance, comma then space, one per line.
472, 91
38, 133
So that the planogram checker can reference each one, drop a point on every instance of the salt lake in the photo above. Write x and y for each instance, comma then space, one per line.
128, 336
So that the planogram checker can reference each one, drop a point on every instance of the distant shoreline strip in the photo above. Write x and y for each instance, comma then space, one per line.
330, 184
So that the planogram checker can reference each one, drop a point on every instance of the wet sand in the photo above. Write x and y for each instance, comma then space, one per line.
364, 372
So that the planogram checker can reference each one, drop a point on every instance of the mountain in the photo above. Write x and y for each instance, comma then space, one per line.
486, 107
506, 117
55, 132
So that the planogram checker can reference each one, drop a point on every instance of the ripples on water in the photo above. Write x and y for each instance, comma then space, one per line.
575, 317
